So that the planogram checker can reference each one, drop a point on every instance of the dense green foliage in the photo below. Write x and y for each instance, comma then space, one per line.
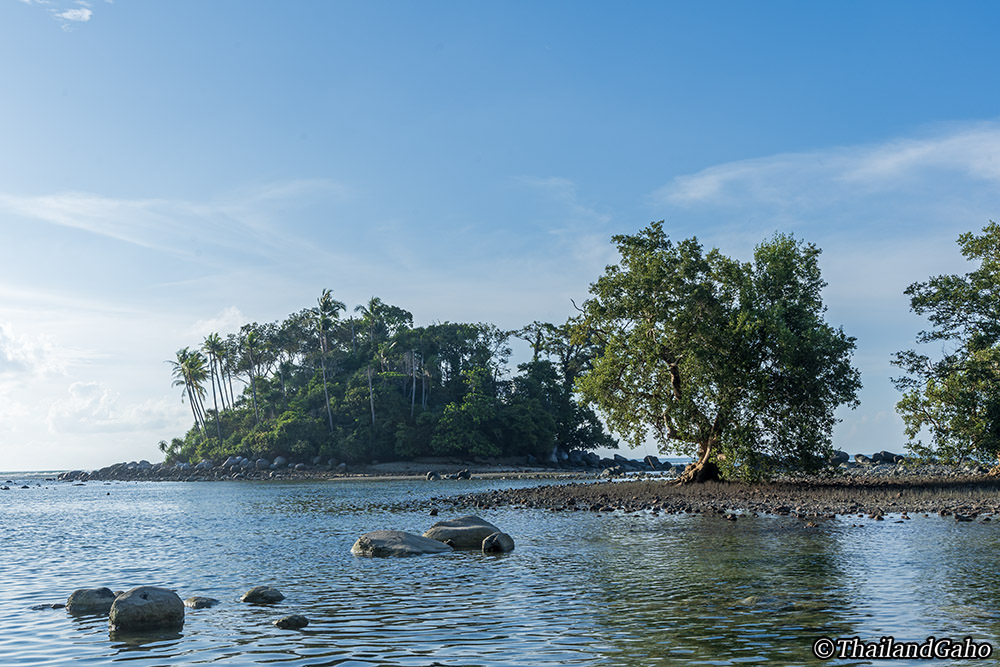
956, 399
729, 362
373, 386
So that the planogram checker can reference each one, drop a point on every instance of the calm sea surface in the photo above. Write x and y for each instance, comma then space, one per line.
580, 588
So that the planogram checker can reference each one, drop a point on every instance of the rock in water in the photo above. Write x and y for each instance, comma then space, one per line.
382, 543
147, 608
262, 595
498, 543
90, 601
293, 622
467, 532
199, 602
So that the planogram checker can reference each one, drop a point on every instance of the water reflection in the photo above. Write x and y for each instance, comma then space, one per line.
702, 590
580, 588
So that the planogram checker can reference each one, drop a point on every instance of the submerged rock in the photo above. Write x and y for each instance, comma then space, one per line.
467, 532
498, 543
384, 543
147, 608
262, 595
90, 601
199, 602
292, 622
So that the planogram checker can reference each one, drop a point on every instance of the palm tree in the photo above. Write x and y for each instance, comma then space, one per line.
213, 346
371, 315
189, 372
327, 310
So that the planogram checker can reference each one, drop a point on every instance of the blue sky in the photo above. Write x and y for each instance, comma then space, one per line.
172, 168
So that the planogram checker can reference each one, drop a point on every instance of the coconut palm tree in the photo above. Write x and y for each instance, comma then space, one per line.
189, 372
327, 310
213, 347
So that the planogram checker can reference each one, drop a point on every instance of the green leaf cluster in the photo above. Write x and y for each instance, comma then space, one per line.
729, 362
954, 400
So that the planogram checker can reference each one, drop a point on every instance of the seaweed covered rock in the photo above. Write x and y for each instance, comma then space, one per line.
467, 532
147, 608
384, 543
90, 601
498, 543
262, 595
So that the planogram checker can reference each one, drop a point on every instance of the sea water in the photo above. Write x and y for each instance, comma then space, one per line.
579, 589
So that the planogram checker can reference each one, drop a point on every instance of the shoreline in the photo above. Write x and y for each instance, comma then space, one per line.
966, 498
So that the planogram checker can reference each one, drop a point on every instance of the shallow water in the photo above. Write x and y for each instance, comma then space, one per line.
580, 588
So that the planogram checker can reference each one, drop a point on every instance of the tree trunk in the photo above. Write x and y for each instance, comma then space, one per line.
371, 395
413, 382
326, 395
702, 470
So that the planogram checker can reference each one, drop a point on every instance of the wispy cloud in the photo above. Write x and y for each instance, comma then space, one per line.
242, 223
67, 14
91, 407
798, 180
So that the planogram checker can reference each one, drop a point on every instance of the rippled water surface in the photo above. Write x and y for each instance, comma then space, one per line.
580, 588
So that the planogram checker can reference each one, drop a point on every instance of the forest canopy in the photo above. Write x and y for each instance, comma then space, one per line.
371, 386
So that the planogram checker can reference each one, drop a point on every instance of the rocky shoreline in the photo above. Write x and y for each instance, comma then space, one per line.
964, 497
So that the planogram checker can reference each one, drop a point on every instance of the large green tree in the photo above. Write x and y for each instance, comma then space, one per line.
729, 362
955, 400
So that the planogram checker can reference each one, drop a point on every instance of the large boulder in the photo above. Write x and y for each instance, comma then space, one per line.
498, 543
382, 543
90, 601
262, 595
147, 608
467, 532
200, 602
838, 457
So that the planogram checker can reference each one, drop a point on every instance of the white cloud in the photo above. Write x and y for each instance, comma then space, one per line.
795, 181
80, 15
22, 355
226, 321
91, 407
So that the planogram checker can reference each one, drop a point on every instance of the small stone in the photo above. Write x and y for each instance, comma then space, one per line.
262, 595
293, 622
199, 602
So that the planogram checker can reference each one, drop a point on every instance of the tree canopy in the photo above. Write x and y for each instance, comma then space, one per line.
729, 362
955, 400
373, 386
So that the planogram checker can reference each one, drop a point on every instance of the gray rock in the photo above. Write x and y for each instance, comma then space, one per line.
861, 458
263, 464
293, 622
199, 602
147, 608
498, 543
886, 457
90, 601
463, 474
280, 461
653, 463
300, 466
839, 457
262, 595
51, 605
384, 543
467, 532
433, 475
